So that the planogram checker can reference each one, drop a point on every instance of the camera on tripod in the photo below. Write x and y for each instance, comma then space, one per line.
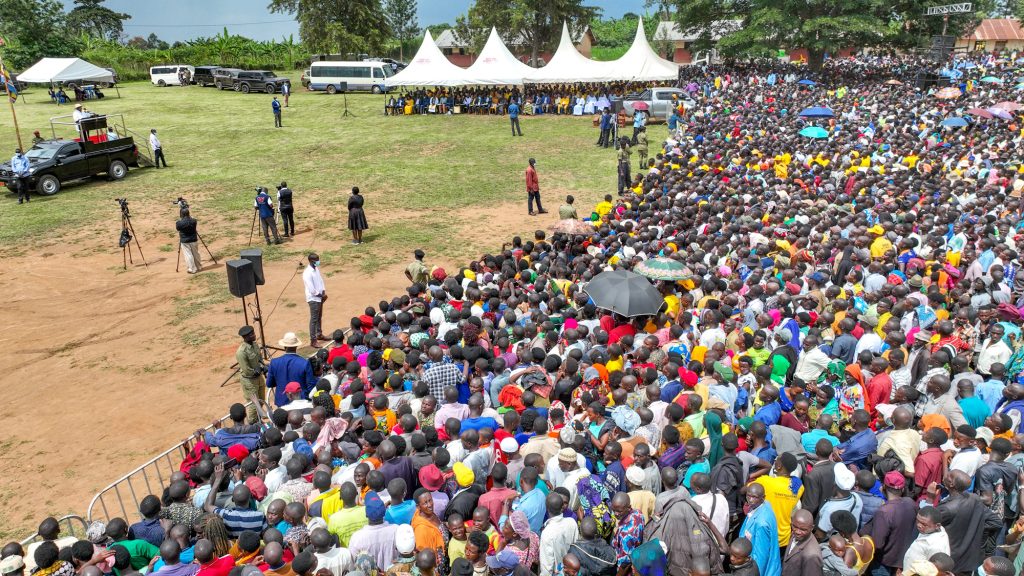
182, 204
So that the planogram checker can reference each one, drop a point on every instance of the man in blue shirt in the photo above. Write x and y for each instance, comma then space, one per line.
605, 140
762, 530
513, 116
276, 107
863, 442
264, 205
289, 367
531, 503
20, 166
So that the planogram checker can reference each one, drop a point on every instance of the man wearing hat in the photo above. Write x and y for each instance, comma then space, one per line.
569, 464
12, 566
377, 538
505, 562
250, 371
289, 367
20, 167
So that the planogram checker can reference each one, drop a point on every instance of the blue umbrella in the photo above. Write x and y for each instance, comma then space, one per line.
806, 82
817, 112
992, 79
814, 132
954, 122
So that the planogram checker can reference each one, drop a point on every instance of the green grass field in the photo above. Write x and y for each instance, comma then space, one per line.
421, 175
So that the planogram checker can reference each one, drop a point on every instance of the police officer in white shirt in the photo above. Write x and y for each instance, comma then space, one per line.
158, 150
315, 297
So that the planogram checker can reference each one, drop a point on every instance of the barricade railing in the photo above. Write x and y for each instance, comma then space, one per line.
68, 528
122, 497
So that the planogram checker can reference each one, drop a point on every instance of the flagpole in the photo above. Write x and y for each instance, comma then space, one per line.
10, 102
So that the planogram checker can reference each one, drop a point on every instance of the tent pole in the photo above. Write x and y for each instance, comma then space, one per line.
10, 102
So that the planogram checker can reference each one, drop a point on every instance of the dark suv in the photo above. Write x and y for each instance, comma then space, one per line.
204, 75
225, 78
259, 81
55, 162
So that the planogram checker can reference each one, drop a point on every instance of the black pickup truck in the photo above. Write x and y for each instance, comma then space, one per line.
54, 162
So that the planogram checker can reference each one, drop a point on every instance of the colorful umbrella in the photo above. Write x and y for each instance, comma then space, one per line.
817, 112
980, 112
806, 82
574, 227
992, 79
954, 122
662, 268
894, 82
814, 132
947, 93
1000, 113
1009, 106
625, 293
640, 106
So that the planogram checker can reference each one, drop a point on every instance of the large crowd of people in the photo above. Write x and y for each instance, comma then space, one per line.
833, 385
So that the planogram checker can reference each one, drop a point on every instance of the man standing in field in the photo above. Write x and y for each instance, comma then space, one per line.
276, 107
513, 116
533, 189
286, 91
265, 206
315, 297
189, 238
250, 370
19, 166
158, 149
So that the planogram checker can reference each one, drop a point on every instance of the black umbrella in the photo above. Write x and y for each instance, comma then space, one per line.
625, 293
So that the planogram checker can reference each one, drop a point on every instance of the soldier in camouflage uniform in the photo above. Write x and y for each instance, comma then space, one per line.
250, 370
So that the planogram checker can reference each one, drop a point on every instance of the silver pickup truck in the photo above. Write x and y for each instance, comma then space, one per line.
658, 100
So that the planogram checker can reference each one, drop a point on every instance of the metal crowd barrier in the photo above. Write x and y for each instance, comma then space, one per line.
68, 528
121, 498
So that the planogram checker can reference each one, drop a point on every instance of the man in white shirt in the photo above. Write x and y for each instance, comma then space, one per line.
330, 556
157, 148
558, 534
812, 362
315, 297
931, 539
993, 350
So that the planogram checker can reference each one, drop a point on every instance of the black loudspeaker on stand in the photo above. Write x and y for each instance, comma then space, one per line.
244, 275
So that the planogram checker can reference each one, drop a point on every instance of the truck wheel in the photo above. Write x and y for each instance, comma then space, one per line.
244, 88
332, 89
48, 185
376, 90
161, 83
271, 89
117, 170
218, 85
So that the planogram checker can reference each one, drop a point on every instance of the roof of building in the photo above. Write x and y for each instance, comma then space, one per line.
450, 39
997, 29
670, 31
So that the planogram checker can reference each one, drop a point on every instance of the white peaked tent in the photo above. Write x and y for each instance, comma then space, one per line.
53, 70
641, 62
496, 65
568, 65
429, 68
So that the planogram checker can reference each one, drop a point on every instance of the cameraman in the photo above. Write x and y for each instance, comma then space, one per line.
265, 206
189, 238
250, 370
284, 202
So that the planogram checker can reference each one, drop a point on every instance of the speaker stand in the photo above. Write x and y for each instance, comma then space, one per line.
257, 317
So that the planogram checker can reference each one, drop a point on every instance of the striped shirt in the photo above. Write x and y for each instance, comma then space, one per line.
238, 520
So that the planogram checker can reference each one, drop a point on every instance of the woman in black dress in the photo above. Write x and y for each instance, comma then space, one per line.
356, 218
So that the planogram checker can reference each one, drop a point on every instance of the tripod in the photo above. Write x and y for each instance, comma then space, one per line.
127, 235
346, 112
257, 317
200, 236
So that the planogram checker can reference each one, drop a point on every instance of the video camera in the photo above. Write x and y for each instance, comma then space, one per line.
123, 202
180, 202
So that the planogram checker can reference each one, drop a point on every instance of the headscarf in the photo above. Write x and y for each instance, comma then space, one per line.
521, 526
836, 369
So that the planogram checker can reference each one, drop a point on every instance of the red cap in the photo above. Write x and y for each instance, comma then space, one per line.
292, 388
238, 452
431, 478
688, 377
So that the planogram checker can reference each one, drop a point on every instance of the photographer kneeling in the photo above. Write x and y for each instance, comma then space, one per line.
189, 238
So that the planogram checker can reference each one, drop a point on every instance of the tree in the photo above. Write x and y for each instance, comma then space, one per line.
537, 22
401, 16
341, 26
155, 43
664, 8
33, 29
92, 17
761, 27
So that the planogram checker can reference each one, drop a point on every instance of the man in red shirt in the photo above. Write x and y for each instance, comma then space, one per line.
339, 348
879, 387
533, 189
209, 564
929, 465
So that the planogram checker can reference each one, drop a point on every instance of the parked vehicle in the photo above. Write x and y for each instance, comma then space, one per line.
396, 65
259, 81
169, 75
204, 75
658, 100
305, 78
330, 76
72, 84
54, 163
224, 78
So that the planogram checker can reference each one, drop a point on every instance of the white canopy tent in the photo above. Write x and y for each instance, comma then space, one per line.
54, 70
568, 65
641, 62
429, 68
497, 65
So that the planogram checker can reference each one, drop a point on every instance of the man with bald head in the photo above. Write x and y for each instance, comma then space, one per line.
967, 520
329, 555
273, 557
170, 553
938, 400
208, 562
394, 465
438, 374
595, 554
802, 555
903, 439
558, 533
240, 517
629, 531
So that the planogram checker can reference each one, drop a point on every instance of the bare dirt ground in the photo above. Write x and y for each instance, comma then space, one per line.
105, 368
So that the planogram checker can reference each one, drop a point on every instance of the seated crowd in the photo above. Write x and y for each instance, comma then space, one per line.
832, 386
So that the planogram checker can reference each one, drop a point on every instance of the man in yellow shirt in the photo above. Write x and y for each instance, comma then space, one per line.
880, 245
604, 207
782, 492
345, 522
